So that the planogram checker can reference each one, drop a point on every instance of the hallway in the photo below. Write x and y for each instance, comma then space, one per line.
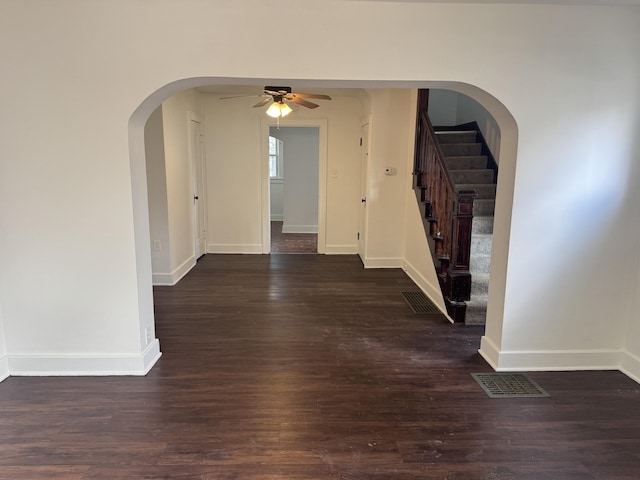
292, 242
310, 367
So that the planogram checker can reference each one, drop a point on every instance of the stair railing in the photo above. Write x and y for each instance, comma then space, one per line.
449, 215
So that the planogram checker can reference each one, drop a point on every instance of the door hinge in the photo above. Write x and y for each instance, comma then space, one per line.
358, 235
360, 141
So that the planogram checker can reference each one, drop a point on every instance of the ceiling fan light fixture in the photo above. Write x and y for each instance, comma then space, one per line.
285, 109
279, 109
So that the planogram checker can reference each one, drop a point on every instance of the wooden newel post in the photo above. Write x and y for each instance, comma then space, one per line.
462, 223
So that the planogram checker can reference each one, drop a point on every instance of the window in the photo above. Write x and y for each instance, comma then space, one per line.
276, 164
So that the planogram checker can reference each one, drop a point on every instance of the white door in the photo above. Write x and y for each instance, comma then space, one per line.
197, 165
364, 174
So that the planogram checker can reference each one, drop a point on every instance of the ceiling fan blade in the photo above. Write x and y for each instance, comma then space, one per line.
242, 96
262, 102
302, 102
279, 93
310, 95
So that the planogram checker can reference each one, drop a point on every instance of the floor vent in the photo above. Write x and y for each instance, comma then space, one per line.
420, 303
504, 385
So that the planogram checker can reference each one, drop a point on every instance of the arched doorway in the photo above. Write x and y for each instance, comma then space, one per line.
508, 147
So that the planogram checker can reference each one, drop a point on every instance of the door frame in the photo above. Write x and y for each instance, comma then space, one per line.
321, 124
199, 185
365, 126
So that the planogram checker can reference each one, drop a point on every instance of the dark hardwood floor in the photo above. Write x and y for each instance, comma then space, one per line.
309, 367
292, 242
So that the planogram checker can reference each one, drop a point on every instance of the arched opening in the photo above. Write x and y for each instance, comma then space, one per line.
504, 197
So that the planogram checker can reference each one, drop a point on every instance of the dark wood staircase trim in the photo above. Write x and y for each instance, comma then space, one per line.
447, 214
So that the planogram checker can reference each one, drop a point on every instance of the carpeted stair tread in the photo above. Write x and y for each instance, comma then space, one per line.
447, 137
479, 264
476, 313
468, 162
482, 224
471, 176
461, 149
479, 284
481, 243
483, 207
483, 190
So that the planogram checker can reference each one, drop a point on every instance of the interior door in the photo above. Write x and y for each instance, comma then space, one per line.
364, 175
197, 165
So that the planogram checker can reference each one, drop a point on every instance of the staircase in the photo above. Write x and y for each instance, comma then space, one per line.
471, 167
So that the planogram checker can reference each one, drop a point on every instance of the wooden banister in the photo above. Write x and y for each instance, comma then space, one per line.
448, 216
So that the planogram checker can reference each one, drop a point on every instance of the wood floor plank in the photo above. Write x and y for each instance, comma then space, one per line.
75, 472
308, 367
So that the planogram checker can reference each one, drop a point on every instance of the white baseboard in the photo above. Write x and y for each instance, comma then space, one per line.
170, 279
341, 249
630, 365
85, 365
234, 248
382, 262
424, 285
489, 351
4, 367
299, 228
626, 362
277, 217
549, 360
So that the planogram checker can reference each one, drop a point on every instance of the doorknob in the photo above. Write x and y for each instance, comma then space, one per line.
363, 200
195, 197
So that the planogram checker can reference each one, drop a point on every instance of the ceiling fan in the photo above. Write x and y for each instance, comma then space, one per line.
280, 96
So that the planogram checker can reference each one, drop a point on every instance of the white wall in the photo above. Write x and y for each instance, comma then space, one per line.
468, 110
179, 181
157, 193
235, 157
447, 108
388, 148
276, 199
232, 135
301, 175
75, 98
443, 107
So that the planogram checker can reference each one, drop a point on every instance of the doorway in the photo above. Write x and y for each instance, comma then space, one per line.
364, 181
197, 156
293, 189
138, 119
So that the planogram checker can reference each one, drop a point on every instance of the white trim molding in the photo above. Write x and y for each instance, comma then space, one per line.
234, 248
170, 279
382, 262
630, 365
489, 351
341, 250
549, 360
85, 365
299, 228
4, 367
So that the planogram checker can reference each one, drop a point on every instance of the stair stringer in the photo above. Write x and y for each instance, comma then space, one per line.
417, 260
